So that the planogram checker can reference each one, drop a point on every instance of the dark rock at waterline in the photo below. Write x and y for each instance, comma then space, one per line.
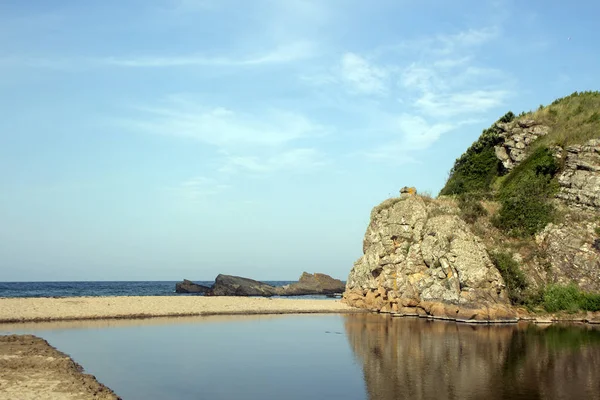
190, 287
229, 285
313, 284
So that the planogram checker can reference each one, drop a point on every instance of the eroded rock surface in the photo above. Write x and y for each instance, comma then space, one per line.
580, 178
570, 251
517, 136
421, 258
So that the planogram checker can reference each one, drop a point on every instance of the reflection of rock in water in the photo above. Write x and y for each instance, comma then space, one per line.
419, 359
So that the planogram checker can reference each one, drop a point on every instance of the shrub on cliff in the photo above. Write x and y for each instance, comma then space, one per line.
569, 298
476, 169
515, 280
525, 195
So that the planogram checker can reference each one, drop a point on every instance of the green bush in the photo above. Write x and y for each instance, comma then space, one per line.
561, 298
525, 195
515, 280
597, 230
590, 301
570, 298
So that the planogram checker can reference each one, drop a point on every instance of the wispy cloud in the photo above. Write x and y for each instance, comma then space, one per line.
361, 76
200, 187
298, 159
289, 53
445, 87
223, 127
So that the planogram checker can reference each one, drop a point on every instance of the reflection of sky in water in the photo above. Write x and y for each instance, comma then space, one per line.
329, 357
289, 357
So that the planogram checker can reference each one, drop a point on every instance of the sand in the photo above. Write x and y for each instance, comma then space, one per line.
88, 308
32, 369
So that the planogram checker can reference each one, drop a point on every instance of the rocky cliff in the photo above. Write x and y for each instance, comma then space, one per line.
420, 257
520, 214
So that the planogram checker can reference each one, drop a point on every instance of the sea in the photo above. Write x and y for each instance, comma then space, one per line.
104, 288
329, 356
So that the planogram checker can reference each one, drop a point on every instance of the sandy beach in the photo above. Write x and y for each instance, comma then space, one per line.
32, 369
89, 308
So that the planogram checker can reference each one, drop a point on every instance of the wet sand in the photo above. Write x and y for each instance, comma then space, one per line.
32, 369
91, 308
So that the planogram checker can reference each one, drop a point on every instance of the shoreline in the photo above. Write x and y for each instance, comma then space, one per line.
542, 319
50, 373
48, 309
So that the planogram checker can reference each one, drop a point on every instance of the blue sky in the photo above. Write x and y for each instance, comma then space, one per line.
163, 139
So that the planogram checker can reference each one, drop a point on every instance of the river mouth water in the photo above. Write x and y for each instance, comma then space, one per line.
352, 356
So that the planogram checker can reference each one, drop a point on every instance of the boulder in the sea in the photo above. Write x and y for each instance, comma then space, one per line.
190, 287
313, 284
229, 285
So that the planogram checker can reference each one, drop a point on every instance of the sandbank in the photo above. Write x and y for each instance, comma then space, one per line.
93, 308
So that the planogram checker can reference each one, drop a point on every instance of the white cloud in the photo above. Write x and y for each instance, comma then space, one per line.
361, 76
298, 159
225, 128
284, 54
444, 105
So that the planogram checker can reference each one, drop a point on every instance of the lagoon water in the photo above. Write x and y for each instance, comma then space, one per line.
363, 356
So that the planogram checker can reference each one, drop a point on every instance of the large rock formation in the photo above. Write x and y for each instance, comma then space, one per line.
190, 287
313, 284
228, 285
421, 258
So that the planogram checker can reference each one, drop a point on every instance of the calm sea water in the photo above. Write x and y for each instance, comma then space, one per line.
75, 289
346, 357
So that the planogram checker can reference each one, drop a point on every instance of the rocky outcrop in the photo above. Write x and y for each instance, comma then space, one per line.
421, 258
313, 284
229, 285
580, 178
190, 287
570, 252
517, 136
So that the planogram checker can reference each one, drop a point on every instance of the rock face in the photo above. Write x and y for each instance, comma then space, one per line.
421, 258
190, 287
313, 284
571, 252
229, 285
517, 136
580, 178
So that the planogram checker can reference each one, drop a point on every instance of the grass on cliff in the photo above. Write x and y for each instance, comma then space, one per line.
573, 119
525, 193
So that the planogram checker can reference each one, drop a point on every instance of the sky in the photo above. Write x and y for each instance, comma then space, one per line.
171, 139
